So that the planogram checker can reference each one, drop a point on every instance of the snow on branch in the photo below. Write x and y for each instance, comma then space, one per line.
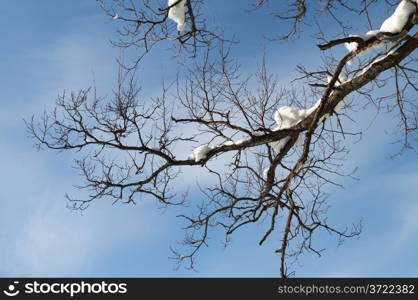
142, 24
132, 147
287, 117
392, 29
200, 153
396, 23
177, 13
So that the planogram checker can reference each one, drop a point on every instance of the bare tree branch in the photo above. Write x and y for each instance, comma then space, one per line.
129, 146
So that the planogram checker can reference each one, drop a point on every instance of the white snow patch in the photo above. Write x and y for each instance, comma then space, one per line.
340, 106
351, 47
396, 22
200, 153
354, 45
265, 171
313, 108
241, 141
324, 117
177, 13
375, 61
287, 117
258, 132
279, 145
341, 79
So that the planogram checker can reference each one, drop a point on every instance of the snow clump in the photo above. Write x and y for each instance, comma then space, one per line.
200, 153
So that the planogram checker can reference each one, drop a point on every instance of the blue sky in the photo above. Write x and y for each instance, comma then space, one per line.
51, 46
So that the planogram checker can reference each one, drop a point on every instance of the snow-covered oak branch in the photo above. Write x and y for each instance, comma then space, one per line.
267, 149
